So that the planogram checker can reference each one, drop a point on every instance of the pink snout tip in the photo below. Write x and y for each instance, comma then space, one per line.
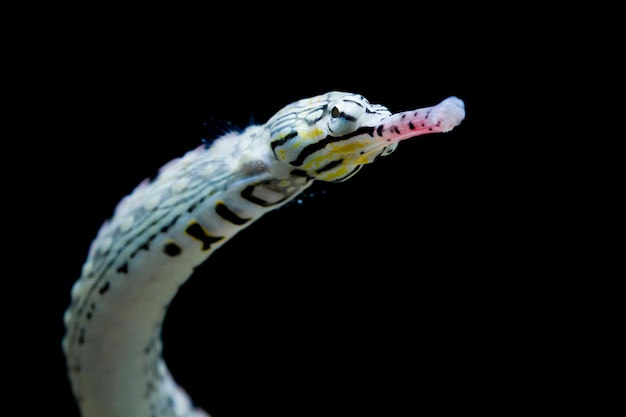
449, 113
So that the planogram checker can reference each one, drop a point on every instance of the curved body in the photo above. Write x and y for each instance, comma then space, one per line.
166, 227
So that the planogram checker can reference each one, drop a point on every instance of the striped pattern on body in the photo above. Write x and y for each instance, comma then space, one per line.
168, 226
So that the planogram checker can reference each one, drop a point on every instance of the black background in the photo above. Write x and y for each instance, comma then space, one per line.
410, 287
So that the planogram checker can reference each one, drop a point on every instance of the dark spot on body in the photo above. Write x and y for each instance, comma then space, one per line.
123, 269
104, 288
172, 249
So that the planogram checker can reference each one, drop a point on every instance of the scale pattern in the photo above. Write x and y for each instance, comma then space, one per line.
169, 225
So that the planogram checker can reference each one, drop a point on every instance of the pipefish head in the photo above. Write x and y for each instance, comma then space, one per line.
331, 136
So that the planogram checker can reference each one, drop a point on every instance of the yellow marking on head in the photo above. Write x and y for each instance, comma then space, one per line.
337, 173
361, 160
315, 162
347, 147
311, 133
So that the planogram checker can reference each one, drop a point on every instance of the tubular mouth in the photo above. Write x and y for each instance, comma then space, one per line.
439, 118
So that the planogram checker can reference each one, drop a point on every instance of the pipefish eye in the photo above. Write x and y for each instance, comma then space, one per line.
335, 112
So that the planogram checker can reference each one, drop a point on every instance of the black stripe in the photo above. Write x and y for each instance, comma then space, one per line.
165, 228
321, 144
329, 166
347, 116
349, 100
197, 232
227, 214
324, 111
282, 141
299, 173
247, 194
